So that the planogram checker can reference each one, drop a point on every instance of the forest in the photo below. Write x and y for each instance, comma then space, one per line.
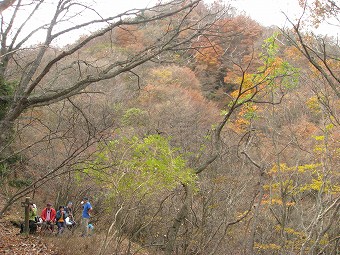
191, 128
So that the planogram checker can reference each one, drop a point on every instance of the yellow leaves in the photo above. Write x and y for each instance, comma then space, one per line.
293, 232
290, 231
242, 215
319, 149
277, 185
297, 180
309, 167
335, 189
272, 201
173, 75
319, 137
164, 75
246, 81
329, 127
266, 247
278, 168
276, 201
282, 168
313, 104
249, 84
278, 228
327, 144
295, 238
317, 185
290, 203
328, 65
324, 241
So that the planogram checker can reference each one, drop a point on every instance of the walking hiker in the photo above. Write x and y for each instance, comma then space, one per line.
87, 209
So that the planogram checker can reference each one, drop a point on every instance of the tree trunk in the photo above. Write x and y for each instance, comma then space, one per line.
180, 217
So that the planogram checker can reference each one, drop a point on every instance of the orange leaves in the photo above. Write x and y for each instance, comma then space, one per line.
292, 53
209, 54
239, 27
244, 117
235, 35
274, 64
174, 94
129, 36
239, 125
176, 91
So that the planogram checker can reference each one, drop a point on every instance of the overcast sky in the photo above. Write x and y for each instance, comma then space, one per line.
266, 12
272, 12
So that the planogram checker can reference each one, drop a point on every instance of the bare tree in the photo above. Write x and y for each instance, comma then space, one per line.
321, 51
34, 77
256, 91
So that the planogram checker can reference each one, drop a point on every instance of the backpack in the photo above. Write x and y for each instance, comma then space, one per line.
37, 219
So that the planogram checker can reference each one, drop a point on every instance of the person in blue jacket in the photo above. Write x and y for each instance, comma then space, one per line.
61, 219
87, 209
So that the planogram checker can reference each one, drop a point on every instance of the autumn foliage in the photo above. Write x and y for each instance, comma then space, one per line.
191, 134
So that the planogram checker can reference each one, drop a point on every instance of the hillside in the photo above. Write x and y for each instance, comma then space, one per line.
191, 130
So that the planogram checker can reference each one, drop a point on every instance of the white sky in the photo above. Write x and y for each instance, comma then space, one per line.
266, 12
272, 12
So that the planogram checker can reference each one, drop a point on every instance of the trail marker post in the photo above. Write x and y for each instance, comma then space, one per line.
26, 204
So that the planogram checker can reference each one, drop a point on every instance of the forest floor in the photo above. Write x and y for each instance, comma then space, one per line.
14, 243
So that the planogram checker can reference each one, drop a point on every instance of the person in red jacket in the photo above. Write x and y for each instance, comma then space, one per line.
48, 215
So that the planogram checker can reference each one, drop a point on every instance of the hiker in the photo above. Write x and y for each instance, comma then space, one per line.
87, 209
48, 217
70, 222
60, 219
31, 220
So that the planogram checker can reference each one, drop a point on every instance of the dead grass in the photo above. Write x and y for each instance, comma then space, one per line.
76, 245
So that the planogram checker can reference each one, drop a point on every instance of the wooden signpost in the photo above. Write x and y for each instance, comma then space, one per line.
26, 204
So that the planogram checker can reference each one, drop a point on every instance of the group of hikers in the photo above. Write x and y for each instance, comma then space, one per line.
63, 218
